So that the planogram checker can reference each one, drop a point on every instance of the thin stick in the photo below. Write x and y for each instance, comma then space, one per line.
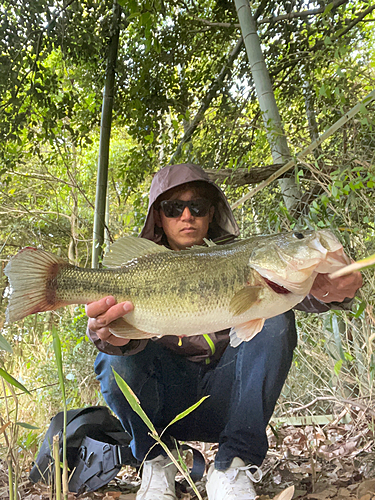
10, 479
309, 148
56, 457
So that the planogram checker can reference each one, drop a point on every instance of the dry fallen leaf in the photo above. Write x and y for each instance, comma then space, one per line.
343, 492
286, 494
366, 487
323, 495
365, 497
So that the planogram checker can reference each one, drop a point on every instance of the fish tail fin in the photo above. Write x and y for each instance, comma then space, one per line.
31, 273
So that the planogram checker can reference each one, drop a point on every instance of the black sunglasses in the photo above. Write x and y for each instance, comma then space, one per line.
175, 208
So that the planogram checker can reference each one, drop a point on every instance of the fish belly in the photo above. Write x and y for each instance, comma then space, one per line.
209, 319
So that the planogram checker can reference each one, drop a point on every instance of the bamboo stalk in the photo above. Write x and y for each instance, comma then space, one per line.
65, 480
56, 457
105, 134
309, 148
267, 101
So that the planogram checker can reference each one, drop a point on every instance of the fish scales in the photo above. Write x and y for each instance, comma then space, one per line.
160, 275
195, 291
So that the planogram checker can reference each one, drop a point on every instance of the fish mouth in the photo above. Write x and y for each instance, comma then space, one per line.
276, 287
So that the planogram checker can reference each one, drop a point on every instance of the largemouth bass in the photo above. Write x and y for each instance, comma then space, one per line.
189, 292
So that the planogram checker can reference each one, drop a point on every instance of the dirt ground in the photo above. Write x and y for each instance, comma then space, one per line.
322, 463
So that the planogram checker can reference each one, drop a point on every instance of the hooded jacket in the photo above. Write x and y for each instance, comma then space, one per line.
208, 347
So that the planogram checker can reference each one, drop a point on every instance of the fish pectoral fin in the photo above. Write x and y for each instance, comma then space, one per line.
128, 248
121, 328
244, 299
245, 332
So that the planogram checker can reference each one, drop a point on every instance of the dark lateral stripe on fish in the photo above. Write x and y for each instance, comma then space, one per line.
33, 283
275, 287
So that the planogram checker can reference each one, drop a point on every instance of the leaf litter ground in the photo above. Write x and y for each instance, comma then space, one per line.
335, 462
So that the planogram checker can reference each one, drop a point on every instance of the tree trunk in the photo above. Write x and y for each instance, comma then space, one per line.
267, 102
105, 133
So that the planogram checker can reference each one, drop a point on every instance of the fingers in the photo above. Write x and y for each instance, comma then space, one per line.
102, 312
336, 290
94, 309
105, 310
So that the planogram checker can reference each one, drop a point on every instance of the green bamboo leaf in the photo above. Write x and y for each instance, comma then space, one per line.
11, 380
4, 345
328, 9
338, 366
133, 401
186, 412
337, 337
362, 306
27, 426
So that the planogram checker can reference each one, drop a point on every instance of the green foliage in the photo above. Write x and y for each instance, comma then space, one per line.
134, 403
53, 57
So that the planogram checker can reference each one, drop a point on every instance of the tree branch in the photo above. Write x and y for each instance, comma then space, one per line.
268, 20
339, 123
360, 17
215, 86
242, 176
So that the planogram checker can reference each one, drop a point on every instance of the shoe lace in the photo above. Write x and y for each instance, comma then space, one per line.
255, 476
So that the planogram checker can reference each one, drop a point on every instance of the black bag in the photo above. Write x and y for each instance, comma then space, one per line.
97, 447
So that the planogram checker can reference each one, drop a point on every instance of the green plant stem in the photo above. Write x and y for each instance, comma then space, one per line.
178, 465
10, 479
65, 461
59, 363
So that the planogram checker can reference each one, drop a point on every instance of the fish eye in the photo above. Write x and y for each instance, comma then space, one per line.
299, 236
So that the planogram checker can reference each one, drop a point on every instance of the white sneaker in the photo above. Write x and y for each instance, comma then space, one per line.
158, 480
235, 483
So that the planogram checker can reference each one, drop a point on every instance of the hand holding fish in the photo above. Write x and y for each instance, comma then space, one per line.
102, 313
328, 290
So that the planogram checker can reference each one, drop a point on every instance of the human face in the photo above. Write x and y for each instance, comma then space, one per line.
186, 230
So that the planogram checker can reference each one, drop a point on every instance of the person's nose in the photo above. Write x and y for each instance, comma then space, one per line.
186, 214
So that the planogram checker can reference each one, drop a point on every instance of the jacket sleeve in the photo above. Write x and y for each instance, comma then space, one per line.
311, 304
133, 347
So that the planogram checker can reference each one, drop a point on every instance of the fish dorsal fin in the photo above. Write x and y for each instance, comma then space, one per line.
244, 299
209, 243
245, 332
129, 247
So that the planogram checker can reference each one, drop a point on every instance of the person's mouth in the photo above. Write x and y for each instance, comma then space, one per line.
187, 230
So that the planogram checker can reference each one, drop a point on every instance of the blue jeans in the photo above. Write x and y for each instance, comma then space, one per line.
243, 387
